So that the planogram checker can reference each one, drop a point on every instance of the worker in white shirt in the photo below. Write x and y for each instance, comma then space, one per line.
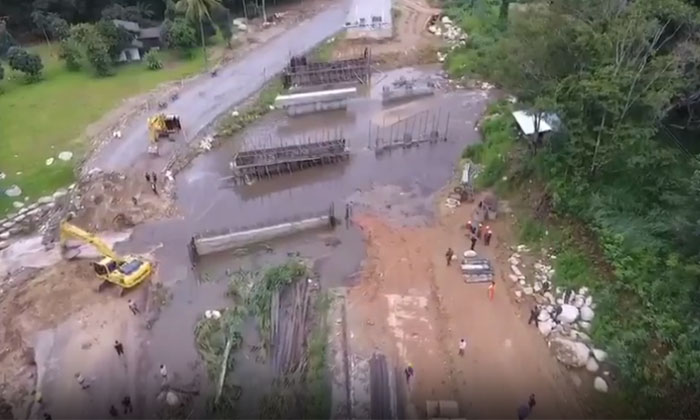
462, 346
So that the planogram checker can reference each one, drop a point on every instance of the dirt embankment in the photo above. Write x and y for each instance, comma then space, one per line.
410, 44
414, 308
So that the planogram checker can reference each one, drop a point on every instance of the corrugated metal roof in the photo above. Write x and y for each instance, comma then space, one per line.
150, 33
526, 122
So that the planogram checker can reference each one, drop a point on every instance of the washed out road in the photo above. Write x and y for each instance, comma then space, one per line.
208, 97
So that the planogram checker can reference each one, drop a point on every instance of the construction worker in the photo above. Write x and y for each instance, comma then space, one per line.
119, 347
492, 289
462, 346
126, 402
479, 230
473, 239
449, 254
163, 372
487, 236
132, 306
533, 316
113, 411
470, 227
409, 373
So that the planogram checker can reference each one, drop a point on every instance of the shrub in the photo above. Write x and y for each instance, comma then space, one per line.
97, 55
28, 63
153, 60
182, 37
114, 37
2, 72
70, 53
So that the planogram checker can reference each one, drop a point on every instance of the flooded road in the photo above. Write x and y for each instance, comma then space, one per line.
399, 185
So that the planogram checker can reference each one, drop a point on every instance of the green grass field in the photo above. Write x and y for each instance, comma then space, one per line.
37, 121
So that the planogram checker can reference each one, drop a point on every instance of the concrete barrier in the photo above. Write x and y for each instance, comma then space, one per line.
310, 102
223, 242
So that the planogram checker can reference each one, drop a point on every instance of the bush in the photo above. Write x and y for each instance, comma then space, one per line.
97, 56
153, 60
114, 37
70, 53
28, 63
81, 32
182, 37
2, 72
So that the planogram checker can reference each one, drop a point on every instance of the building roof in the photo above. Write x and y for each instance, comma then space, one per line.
150, 33
128, 25
526, 122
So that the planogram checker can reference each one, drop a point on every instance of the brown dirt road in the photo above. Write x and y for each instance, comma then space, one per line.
412, 307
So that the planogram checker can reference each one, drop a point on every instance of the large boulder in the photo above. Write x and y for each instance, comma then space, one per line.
587, 314
543, 316
579, 301
600, 355
592, 365
545, 327
570, 353
600, 385
569, 314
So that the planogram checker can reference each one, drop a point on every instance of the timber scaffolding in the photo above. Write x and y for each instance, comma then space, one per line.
290, 156
424, 127
300, 74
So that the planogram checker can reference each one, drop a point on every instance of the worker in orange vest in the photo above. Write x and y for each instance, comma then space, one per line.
492, 288
487, 236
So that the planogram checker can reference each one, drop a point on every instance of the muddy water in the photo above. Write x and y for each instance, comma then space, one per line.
400, 185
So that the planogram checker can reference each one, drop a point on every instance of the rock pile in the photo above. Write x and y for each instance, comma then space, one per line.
29, 217
447, 30
564, 317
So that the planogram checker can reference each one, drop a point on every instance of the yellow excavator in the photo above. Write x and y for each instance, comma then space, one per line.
160, 126
126, 272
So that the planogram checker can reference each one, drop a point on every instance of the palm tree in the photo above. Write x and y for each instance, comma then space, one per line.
198, 10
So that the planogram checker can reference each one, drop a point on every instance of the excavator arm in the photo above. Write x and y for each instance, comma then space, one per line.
71, 231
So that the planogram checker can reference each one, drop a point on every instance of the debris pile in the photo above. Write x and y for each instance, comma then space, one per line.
450, 32
564, 316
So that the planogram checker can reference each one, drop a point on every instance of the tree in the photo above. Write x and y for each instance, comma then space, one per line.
51, 25
71, 53
115, 37
199, 11
28, 63
222, 19
97, 55
182, 37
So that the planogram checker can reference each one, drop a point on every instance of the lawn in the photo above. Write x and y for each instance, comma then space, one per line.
37, 121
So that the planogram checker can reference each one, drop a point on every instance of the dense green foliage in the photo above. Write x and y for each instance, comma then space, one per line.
71, 54
616, 73
181, 36
274, 279
28, 63
51, 25
153, 60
